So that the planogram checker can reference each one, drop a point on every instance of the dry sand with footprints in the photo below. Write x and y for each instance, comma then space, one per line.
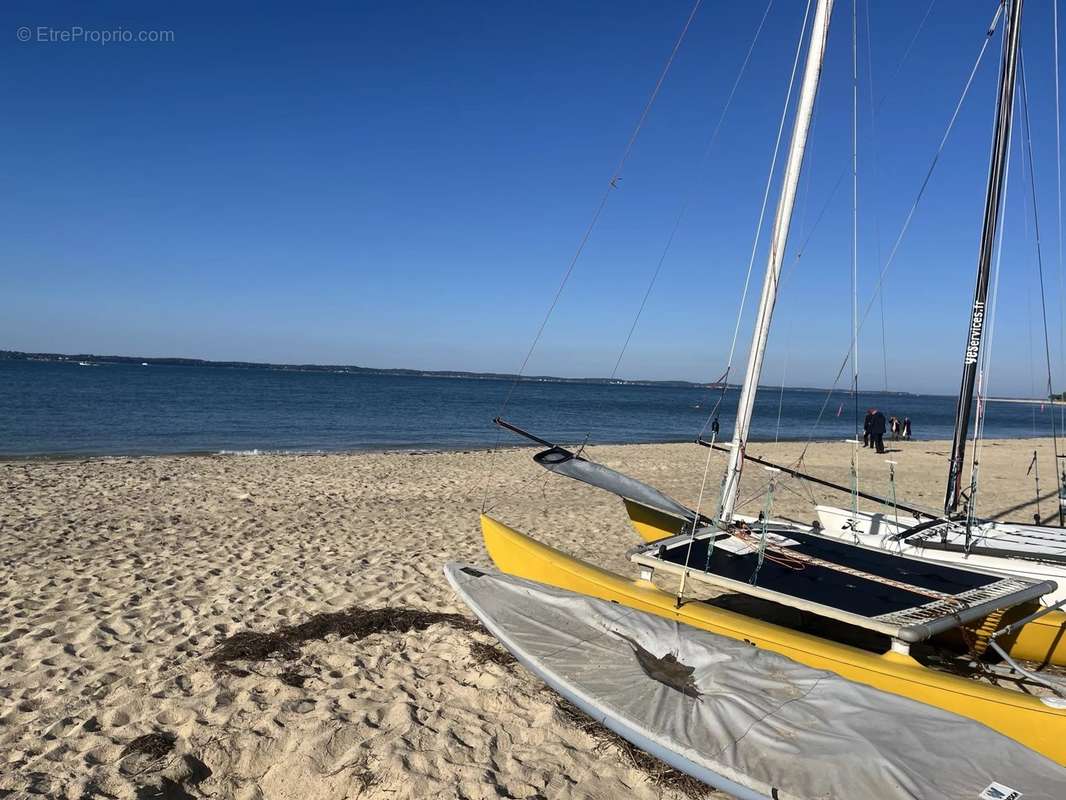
120, 578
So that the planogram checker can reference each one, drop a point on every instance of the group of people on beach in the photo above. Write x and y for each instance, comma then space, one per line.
874, 427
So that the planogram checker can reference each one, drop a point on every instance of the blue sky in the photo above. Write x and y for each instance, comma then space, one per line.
396, 184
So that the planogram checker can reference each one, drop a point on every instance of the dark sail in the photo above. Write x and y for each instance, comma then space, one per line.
993, 203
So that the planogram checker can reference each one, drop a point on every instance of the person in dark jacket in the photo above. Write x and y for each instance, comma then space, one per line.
906, 427
877, 430
895, 426
866, 427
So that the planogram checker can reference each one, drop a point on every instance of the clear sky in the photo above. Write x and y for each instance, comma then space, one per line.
403, 184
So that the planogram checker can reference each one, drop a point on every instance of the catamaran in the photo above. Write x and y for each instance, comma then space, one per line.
956, 536
878, 618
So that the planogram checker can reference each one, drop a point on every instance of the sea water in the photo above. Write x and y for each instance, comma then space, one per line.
61, 408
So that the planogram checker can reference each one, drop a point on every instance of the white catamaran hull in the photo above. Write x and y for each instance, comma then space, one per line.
884, 531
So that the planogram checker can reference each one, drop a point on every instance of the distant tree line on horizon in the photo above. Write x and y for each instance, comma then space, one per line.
17, 355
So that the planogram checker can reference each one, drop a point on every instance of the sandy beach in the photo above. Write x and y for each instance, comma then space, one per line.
120, 577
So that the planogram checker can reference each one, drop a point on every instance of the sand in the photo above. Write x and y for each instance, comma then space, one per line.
119, 578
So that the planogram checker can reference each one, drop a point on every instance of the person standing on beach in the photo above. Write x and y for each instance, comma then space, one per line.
894, 426
866, 427
877, 430
906, 427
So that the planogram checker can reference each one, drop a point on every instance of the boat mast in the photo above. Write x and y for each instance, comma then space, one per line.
778, 240
993, 203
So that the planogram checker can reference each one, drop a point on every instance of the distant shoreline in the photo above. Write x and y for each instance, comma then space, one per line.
92, 359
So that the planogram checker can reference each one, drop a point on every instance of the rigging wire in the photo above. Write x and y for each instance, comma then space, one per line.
1058, 188
809, 156
1040, 262
984, 364
875, 110
788, 269
874, 151
806, 233
805, 206
677, 224
740, 312
906, 52
781, 394
1032, 372
612, 184
762, 217
855, 248
984, 371
691, 188
908, 219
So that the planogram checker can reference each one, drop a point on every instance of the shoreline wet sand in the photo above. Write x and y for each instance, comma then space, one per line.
121, 577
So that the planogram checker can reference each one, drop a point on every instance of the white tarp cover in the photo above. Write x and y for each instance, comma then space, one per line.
759, 719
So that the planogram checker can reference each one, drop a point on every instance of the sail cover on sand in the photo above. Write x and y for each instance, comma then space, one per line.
740, 718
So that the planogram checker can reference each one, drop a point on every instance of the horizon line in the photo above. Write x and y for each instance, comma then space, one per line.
25, 355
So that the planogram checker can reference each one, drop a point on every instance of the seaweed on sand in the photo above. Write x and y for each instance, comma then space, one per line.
291, 677
154, 745
285, 642
490, 654
663, 775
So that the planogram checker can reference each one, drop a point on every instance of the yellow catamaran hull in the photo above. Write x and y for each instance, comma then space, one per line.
1027, 719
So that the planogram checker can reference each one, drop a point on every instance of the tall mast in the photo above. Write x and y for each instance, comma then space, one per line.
993, 202
779, 238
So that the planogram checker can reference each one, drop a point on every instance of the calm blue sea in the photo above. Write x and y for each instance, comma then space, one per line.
65, 409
